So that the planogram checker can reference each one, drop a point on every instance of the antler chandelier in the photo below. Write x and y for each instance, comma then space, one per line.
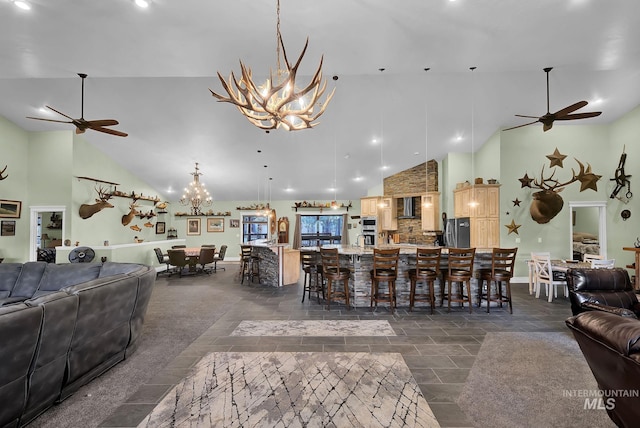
277, 102
196, 195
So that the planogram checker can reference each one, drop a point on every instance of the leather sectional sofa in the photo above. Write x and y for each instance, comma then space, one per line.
608, 290
611, 345
63, 325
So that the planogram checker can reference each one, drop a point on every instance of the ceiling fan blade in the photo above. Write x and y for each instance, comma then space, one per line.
102, 122
59, 112
520, 126
570, 109
109, 131
49, 120
579, 115
531, 117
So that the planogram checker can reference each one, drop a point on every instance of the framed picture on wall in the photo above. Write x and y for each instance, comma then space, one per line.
10, 209
215, 224
193, 226
8, 228
234, 222
160, 227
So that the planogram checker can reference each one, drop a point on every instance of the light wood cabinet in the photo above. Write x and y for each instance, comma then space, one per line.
387, 214
369, 206
431, 211
484, 215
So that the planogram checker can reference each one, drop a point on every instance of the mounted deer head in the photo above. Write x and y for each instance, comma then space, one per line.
2, 172
128, 218
87, 210
547, 203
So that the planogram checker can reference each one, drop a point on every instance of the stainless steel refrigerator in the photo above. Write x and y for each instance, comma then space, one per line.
457, 232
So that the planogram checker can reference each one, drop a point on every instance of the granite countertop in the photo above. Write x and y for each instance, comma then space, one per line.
404, 249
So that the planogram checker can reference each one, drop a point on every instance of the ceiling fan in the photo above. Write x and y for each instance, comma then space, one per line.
82, 124
564, 114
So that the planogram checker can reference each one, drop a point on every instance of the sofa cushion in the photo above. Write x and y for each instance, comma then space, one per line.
9, 273
29, 279
56, 277
110, 268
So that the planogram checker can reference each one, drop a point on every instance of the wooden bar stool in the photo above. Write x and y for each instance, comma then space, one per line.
332, 273
428, 270
246, 263
385, 269
459, 271
312, 271
502, 262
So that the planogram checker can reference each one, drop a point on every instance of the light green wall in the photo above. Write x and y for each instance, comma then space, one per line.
487, 159
14, 147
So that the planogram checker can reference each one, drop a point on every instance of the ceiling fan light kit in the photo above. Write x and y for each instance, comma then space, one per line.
564, 114
82, 124
278, 102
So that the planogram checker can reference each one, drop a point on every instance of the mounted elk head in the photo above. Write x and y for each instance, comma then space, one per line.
87, 210
2, 172
128, 218
547, 203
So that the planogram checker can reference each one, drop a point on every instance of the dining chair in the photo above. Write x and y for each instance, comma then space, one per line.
179, 259
588, 257
533, 284
428, 270
501, 271
385, 269
603, 263
205, 258
459, 272
544, 274
218, 257
163, 259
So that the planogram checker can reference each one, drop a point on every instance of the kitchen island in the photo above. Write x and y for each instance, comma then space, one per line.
279, 263
359, 260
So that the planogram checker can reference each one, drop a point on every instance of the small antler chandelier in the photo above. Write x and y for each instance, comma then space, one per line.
278, 102
196, 195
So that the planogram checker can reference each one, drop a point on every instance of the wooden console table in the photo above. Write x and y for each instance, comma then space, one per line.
635, 266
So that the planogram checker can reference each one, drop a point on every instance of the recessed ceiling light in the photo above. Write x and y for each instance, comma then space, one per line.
22, 4
142, 3
358, 178
416, 153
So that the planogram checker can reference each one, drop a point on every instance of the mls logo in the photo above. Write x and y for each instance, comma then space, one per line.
599, 403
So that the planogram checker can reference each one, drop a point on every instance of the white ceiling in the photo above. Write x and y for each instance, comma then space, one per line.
152, 69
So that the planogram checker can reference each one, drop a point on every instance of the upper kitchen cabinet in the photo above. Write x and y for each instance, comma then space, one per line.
369, 206
431, 211
484, 215
388, 214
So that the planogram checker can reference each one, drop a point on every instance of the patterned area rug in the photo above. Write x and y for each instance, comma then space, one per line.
314, 328
295, 389
531, 380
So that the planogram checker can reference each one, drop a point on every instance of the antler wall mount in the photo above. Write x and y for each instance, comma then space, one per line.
547, 202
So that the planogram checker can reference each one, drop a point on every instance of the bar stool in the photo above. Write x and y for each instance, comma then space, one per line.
246, 263
459, 271
332, 272
502, 262
385, 269
428, 270
312, 269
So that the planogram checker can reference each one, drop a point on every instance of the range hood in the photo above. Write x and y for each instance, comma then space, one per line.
409, 205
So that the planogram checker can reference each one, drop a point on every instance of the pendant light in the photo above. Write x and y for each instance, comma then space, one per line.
472, 201
427, 201
334, 203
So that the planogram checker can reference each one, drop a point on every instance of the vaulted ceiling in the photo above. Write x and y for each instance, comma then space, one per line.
151, 69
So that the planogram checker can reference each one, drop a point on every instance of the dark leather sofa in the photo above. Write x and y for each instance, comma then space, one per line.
608, 290
611, 345
63, 325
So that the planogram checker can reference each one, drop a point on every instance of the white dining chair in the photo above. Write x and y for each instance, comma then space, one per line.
603, 263
588, 257
544, 275
533, 283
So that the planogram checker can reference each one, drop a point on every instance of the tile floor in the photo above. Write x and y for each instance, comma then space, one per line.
439, 349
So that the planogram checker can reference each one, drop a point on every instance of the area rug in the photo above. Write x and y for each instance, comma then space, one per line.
531, 380
295, 389
314, 328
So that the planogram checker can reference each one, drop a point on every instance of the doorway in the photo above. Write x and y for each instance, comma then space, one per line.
587, 228
47, 228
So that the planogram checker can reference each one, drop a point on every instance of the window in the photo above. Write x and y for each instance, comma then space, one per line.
254, 227
318, 230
